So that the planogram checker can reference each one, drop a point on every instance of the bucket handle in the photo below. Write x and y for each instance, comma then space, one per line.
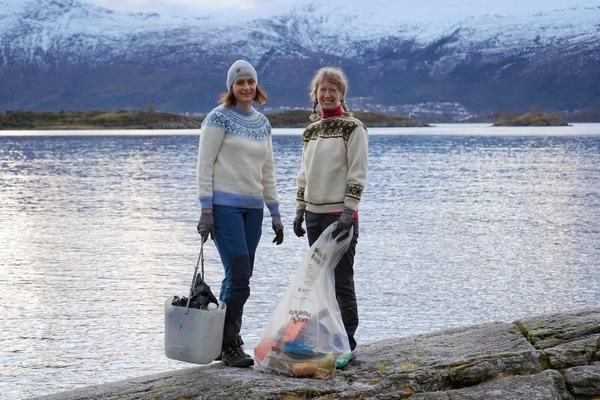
200, 262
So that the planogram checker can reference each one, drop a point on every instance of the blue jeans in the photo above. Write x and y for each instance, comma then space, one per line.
344, 271
237, 233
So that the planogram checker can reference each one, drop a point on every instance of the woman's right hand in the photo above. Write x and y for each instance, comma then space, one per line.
298, 230
206, 224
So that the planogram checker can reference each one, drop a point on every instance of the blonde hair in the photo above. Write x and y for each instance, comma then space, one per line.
334, 76
228, 98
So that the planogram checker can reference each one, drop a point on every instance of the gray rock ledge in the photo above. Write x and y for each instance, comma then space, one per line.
553, 356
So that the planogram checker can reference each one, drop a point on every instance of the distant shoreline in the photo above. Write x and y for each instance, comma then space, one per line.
150, 120
534, 118
145, 120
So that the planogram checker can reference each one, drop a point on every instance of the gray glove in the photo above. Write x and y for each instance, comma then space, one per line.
298, 230
277, 228
344, 222
206, 224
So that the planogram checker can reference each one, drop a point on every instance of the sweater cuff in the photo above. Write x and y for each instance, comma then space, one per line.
300, 195
206, 202
351, 203
273, 207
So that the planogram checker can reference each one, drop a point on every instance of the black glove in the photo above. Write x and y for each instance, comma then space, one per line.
206, 224
344, 223
277, 228
298, 230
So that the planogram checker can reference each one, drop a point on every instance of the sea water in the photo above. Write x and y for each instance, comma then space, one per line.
459, 224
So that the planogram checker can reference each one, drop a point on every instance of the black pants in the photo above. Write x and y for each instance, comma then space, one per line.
344, 271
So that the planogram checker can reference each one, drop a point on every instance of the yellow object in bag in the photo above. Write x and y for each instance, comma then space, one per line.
306, 334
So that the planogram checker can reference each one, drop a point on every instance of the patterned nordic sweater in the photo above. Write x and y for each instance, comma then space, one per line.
235, 160
333, 172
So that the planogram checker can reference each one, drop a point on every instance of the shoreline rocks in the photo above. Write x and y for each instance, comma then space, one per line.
552, 356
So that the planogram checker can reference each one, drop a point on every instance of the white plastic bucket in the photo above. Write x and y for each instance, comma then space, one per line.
194, 336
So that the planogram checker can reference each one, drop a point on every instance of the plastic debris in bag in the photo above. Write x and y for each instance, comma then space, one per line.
306, 334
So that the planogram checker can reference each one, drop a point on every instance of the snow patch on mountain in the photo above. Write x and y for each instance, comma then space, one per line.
32, 29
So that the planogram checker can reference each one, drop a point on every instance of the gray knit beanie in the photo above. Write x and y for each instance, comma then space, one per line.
238, 69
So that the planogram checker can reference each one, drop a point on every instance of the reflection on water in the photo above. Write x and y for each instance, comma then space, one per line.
455, 230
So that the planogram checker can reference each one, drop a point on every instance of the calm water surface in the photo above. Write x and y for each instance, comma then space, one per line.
459, 225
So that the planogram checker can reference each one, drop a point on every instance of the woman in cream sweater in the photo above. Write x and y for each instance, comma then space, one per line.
236, 179
331, 180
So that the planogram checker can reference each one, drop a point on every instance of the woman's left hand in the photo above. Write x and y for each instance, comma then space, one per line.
344, 223
277, 228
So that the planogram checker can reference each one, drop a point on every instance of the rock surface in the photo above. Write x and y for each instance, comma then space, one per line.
553, 356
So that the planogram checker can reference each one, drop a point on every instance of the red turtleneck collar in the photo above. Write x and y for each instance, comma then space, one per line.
336, 112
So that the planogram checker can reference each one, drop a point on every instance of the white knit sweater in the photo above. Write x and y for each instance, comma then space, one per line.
334, 165
235, 160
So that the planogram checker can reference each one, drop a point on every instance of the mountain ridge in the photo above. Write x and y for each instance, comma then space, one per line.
72, 54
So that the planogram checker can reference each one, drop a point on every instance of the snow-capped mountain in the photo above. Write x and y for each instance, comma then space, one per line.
73, 54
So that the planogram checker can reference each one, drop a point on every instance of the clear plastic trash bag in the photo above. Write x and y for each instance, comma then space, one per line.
306, 334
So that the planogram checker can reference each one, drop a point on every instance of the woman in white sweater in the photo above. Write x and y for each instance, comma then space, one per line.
331, 179
236, 179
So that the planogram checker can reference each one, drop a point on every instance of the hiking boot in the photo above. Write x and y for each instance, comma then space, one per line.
234, 356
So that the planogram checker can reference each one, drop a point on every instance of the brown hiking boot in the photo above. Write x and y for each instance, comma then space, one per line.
234, 356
